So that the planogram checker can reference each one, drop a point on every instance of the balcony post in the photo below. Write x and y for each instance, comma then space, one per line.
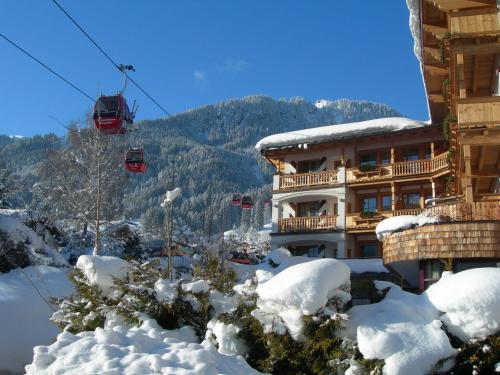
275, 215
432, 150
341, 178
276, 181
393, 197
392, 154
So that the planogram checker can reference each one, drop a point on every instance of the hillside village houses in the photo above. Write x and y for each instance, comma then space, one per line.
334, 184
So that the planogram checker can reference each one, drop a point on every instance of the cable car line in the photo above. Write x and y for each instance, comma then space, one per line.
48, 68
117, 66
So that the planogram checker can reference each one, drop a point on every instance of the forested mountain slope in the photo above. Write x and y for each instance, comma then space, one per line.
208, 152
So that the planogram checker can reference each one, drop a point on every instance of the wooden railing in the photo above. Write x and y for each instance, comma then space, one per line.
307, 179
474, 22
404, 168
355, 221
482, 111
420, 166
463, 211
311, 223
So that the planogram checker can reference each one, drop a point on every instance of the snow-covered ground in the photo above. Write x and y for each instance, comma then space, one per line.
148, 349
406, 331
25, 312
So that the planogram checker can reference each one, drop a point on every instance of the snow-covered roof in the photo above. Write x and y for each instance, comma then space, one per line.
339, 131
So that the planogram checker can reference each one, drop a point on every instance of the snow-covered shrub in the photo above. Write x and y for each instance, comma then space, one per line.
85, 310
220, 278
476, 356
12, 255
288, 325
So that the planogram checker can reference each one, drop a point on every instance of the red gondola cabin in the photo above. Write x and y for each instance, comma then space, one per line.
236, 201
246, 202
112, 115
134, 161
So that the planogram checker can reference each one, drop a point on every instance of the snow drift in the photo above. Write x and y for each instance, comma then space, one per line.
300, 290
470, 301
148, 349
24, 312
396, 223
100, 270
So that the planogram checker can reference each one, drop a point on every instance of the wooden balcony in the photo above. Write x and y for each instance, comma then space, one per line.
357, 223
306, 180
427, 167
474, 22
483, 111
464, 211
305, 224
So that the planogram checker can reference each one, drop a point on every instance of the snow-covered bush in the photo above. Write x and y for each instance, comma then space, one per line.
288, 324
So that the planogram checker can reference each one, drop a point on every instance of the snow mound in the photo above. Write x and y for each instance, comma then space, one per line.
226, 336
402, 329
200, 286
25, 315
470, 301
365, 265
100, 270
38, 251
299, 290
396, 223
340, 131
166, 290
147, 349
277, 256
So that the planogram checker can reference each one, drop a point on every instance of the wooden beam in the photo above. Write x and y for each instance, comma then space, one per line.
467, 180
461, 76
476, 49
433, 52
482, 158
437, 31
436, 70
474, 73
436, 98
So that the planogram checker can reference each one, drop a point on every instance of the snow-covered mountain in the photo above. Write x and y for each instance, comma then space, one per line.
208, 152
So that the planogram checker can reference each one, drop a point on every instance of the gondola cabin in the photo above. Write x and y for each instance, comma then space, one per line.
267, 202
236, 201
134, 161
112, 115
246, 202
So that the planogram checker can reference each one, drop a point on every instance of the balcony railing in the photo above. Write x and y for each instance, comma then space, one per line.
483, 111
356, 221
437, 164
298, 180
311, 223
474, 22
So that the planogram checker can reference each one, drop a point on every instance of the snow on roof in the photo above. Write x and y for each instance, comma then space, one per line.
339, 131
414, 8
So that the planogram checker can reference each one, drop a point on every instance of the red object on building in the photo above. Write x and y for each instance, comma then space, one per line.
236, 201
112, 115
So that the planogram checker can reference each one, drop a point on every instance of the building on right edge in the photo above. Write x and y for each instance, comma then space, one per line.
457, 43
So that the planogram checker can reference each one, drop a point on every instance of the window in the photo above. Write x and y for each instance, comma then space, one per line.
386, 203
310, 251
410, 155
309, 166
309, 209
368, 160
385, 158
427, 153
369, 204
432, 272
411, 200
369, 250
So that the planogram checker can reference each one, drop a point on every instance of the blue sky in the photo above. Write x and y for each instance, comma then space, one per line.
191, 53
